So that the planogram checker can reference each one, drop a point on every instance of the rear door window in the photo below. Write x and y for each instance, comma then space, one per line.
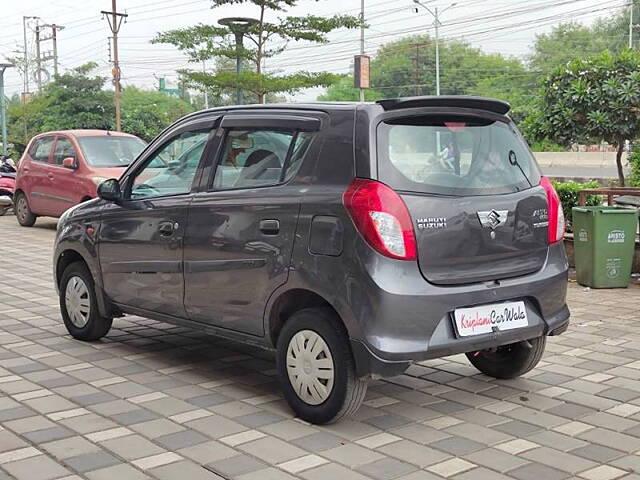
41, 149
454, 156
259, 158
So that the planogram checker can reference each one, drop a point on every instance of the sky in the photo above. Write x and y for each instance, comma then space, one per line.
507, 27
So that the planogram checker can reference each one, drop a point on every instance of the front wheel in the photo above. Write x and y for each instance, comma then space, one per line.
509, 361
316, 367
79, 306
25, 216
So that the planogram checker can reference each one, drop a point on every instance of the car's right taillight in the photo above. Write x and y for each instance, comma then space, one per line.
382, 218
554, 210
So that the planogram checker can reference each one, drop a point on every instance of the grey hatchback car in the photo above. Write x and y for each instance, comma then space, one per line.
351, 238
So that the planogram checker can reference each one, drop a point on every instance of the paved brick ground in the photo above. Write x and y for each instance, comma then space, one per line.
157, 401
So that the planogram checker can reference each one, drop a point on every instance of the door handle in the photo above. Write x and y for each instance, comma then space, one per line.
166, 229
51, 177
270, 226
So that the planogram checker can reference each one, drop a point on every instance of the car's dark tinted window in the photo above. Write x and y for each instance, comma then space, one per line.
258, 158
454, 156
40, 149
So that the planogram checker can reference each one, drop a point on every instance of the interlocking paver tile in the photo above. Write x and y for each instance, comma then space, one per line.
36, 468
156, 401
120, 472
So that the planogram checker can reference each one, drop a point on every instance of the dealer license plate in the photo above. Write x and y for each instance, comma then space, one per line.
487, 318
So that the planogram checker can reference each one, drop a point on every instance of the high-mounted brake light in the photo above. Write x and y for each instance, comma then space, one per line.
555, 213
382, 218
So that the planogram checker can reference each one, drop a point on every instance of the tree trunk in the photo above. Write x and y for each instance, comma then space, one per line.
619, 162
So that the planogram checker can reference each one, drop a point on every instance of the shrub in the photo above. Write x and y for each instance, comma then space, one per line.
634, 165
568, 192
546, 145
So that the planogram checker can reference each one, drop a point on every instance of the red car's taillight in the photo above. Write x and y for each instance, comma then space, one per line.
382, 218
556, 215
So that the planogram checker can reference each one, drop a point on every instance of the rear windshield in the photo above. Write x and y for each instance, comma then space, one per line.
110, 151
454, 156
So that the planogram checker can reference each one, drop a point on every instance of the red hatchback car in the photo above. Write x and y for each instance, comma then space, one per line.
61, 169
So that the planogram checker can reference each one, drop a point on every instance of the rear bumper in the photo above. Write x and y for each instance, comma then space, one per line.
407, 319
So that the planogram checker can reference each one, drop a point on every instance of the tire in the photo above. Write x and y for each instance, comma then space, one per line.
344, 393
509, 361
25, 216
77, 289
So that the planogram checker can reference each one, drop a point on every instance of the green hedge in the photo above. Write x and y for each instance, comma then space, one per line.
634, 175
568, 192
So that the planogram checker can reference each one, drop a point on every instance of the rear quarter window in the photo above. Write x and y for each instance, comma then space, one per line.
40, 149
454, 155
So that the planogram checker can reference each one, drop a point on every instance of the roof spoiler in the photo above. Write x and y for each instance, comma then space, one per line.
455, 101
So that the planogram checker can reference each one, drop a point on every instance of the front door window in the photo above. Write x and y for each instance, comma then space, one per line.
172, 168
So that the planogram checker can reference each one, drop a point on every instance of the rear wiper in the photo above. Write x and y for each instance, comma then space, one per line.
513, 160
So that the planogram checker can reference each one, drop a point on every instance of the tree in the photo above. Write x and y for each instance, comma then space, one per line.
594, 99
77, 100
407, 67
73, 100
568, 41
205, 42
565, 43
146, 113
344, 91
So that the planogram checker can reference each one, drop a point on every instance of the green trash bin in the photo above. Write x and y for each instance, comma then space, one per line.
604, 242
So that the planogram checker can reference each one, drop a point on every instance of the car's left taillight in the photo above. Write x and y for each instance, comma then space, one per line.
382, 218
554, 210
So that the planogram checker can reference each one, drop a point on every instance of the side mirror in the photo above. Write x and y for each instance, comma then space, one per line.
70, 163
109, 190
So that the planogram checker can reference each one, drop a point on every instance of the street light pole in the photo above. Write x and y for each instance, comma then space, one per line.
437, 53
436, 16
362, 41
3, 115
239, 26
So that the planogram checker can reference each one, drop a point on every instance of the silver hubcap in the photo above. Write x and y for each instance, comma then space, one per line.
310, 367
22, 207
77, 301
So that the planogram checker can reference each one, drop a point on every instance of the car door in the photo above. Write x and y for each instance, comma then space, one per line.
63, 189
241, 229
141, 237
36, 175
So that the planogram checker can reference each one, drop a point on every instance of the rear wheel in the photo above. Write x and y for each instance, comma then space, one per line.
25, 216
79, 306
509, 361
316, 367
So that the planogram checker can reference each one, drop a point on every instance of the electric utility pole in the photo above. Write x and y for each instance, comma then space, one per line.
436, 23
115, 21
48, 55
38, 59
26, 54
631, 25
54, 39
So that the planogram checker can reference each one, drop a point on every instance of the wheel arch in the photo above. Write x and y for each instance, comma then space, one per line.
66, 257
289, 302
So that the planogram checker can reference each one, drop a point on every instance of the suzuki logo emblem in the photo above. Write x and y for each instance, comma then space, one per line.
493, 219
